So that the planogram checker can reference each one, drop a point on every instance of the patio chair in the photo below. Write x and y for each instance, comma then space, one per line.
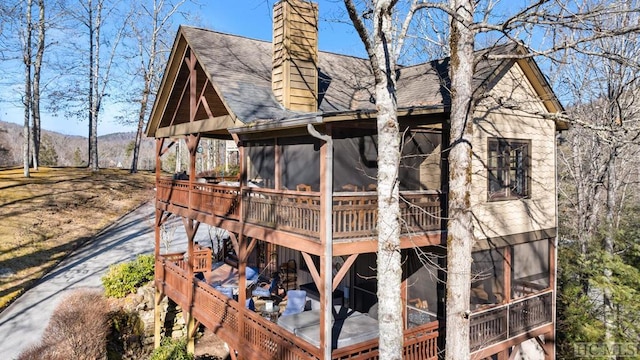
296, 301
350, 187
303, 187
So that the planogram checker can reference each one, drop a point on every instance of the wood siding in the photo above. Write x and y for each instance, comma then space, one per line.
513, 95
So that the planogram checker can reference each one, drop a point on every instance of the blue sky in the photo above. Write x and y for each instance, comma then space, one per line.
250, 18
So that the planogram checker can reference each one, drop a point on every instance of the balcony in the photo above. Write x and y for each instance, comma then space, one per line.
354, 213
259, 338
497, 324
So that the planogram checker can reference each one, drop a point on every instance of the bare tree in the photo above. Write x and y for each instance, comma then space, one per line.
37, 73
383, 50
27, 33
150, 29
601, 168
568, 26
93, 15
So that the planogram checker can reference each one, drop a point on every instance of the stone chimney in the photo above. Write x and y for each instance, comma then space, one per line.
294, 76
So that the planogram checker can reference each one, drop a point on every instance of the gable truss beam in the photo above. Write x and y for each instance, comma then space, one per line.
212, 124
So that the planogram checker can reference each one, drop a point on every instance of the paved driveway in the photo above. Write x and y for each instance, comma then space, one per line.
23, 323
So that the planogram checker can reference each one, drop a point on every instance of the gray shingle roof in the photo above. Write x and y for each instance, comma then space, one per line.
240, 68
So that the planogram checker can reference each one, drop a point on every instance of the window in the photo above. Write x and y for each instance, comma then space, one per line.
509, 169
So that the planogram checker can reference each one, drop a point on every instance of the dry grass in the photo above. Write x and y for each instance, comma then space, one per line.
46, 216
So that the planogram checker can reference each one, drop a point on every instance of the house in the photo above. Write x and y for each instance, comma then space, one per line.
302, 215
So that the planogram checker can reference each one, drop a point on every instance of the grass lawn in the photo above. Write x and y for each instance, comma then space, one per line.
44, 217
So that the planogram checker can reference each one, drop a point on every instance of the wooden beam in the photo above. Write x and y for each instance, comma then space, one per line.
168, 83
215, 123
193, 140
202, 99
193, 84
312, 268
164, 151
174, 116
343, 270
234, 242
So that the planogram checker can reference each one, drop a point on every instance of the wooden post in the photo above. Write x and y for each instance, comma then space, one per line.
190, 324
157, 319
326, 237
550, 338
507, 272
157, 312
241, 251
159, 152
503, 355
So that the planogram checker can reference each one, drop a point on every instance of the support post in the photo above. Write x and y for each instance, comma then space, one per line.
550, 338
157, 319
507, 274
326, 236
190, 323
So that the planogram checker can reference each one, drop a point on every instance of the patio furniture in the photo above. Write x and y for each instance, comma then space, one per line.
349, 326
296, 300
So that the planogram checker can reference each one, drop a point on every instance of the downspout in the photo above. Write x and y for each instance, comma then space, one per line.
326, 194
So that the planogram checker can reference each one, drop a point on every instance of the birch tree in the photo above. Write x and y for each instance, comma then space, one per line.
562, 27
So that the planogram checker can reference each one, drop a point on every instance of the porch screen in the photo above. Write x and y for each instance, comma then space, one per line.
530, 267
300, 162
487, 278
421, 276
261, 163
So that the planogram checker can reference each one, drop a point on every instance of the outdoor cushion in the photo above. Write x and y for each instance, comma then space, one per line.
296, 300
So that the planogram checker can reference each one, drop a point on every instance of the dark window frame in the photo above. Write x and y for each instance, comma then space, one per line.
508, 169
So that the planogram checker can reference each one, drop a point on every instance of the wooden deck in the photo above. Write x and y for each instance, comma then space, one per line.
354, 213
259, 338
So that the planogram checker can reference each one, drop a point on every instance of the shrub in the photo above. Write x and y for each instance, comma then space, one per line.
125, 278
171, 349
77, 329
126, 339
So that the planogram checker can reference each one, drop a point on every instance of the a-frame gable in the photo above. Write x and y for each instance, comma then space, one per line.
188, 101
525, 70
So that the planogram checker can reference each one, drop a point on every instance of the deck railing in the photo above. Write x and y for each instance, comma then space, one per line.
210, 199
420, 343
286, 210
259, 338
503, 322
354, 215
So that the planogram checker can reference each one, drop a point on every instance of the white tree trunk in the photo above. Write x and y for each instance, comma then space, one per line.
389, 260
460, 226
26, 100
35, 98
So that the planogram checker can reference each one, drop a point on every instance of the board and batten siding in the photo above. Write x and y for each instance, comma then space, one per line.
515, 118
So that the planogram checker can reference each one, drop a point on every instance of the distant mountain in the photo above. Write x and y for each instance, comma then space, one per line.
114, 150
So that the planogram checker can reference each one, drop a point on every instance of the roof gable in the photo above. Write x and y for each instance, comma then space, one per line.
234, 77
